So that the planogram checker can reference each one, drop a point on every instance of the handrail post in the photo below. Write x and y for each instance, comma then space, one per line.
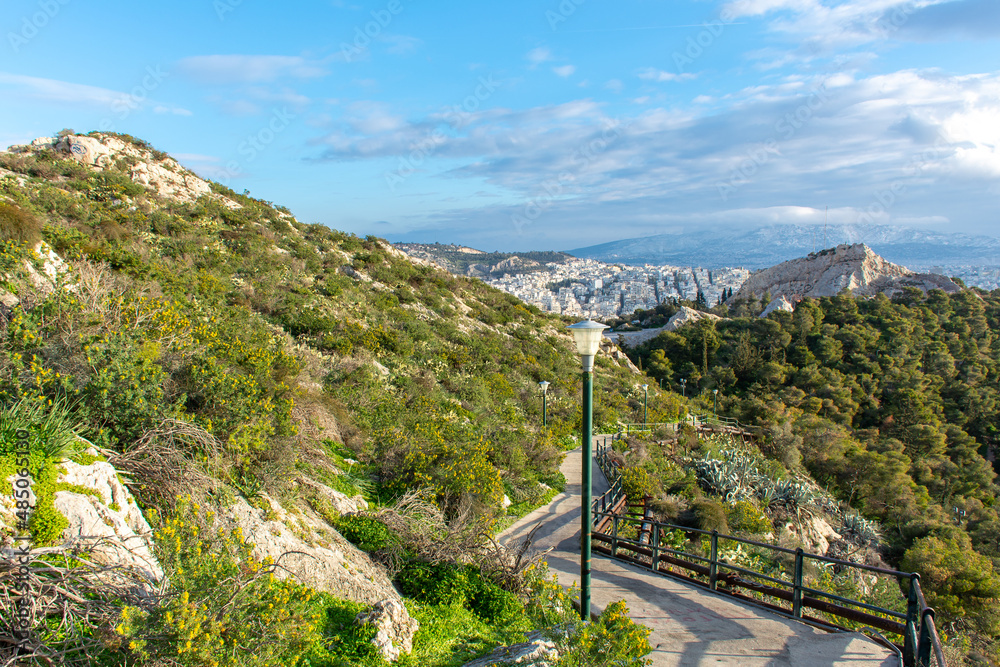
912, 620
655, 543
614, 535
924, 645
797, 585
713, 563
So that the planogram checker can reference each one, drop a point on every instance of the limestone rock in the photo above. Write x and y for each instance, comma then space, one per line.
395, 628
339, 501
687, 316
86, 150
781, 303
814, 534
310, 550
174, 183
109, 518
537, 653
826, 273
164, 175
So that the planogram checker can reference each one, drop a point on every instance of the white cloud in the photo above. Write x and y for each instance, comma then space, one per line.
659, 76
538, 55
777, 152
223, 69
401, 44
35, 89
615, 85
564, 70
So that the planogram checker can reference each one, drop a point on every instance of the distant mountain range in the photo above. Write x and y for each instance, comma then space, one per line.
767, 246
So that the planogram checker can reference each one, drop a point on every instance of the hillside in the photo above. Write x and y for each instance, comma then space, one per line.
855, 268
890, 405
219, 351
769, 245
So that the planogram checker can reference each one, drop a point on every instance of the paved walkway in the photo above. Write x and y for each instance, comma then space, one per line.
691, 626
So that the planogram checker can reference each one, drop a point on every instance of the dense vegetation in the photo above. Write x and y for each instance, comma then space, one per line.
270, 350
891, 405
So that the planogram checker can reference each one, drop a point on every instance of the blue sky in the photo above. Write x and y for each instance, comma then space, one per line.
549, 124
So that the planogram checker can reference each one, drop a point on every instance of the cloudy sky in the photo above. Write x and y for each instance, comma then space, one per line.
538, 124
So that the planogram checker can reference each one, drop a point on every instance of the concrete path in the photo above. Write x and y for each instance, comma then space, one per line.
691, 626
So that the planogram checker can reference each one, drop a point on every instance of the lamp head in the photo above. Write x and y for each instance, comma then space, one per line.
588, 336
715, 391
645, 387
544, 385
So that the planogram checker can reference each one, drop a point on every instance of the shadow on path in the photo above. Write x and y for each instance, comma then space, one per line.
690, 626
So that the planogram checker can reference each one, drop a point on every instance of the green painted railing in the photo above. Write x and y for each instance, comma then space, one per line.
611, 516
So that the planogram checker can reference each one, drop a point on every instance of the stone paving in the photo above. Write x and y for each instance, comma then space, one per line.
691, 626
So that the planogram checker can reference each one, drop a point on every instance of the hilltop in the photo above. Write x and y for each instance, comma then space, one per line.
855, 268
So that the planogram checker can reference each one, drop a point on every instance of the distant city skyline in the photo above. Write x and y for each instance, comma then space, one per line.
552, 125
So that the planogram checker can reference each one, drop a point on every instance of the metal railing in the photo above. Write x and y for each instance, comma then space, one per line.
613, 520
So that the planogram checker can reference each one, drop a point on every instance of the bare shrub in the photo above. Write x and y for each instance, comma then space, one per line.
164, 459
19, 225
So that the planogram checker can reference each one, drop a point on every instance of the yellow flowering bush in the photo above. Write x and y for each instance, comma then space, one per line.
223, 606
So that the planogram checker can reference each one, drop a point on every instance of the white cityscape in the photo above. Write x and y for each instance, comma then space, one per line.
589, 288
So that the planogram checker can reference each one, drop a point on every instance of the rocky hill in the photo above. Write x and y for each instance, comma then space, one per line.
826, 273
717, 247
249, 376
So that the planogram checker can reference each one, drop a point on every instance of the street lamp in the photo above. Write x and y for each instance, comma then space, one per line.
588, 336
683, 387
645, 397
716, 393
545, 391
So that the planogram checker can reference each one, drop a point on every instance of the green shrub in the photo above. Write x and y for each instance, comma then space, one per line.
440, 583
365, 532
745, 517
637, 483
492, 603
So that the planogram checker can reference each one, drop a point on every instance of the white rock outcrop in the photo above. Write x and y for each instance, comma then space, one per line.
536, 653
826, 273
683, 316
308, 549
781, 303
164, 175
394, 628
108, 520
813, 534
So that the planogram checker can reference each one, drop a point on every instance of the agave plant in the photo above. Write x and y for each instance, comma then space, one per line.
868, 532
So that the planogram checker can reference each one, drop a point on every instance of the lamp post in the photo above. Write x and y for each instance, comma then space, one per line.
588, 342
715, 392
645, 402
683, 387
545, 392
